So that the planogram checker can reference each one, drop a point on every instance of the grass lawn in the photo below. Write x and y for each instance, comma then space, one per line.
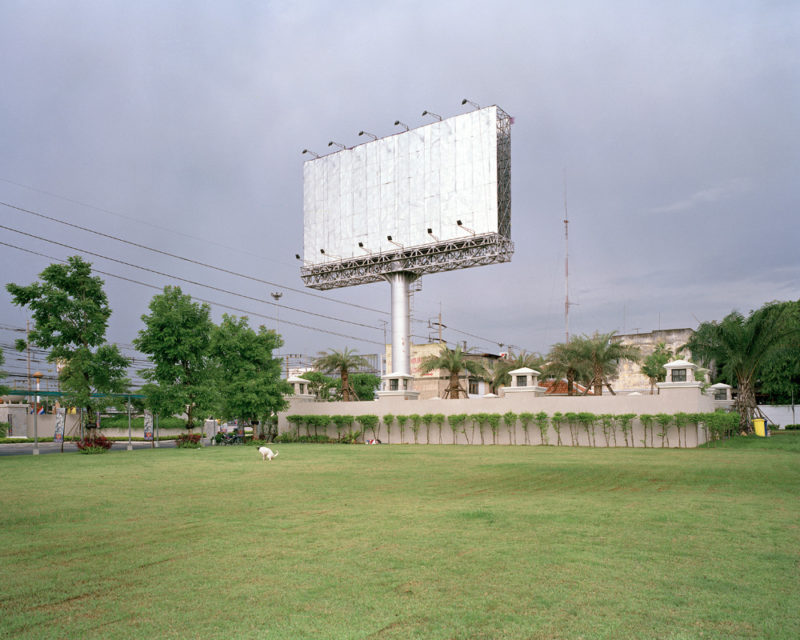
404, 541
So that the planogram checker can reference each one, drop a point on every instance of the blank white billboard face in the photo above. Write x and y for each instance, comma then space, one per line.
403, 185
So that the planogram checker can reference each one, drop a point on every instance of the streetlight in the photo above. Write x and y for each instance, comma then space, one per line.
276, 295
38, 376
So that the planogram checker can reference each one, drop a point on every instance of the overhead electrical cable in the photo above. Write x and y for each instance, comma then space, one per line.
189, 260
214, 267
211, 302
194, 282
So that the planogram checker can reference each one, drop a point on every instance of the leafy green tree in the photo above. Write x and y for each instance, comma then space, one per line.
543, 423
456, 422
324, 388
416, 421
571, 418
364, 385
739, 345
427, 420
454, 361
557, 420
388, 419
607, 421
177, 338
664, 420
248, 377
625, 422
401, 422
3, 389
70, 312
479, 419
588, 421
342, 362
510, 420
371, 422
439, 420
653, 365
647, 421
493, 419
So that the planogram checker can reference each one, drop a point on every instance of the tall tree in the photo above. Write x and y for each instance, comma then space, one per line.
453, 361
176, 338
568, 360
653, 365
738, 345
341, 362
249, 378
498, 374
3, 389
602, 356
70, 313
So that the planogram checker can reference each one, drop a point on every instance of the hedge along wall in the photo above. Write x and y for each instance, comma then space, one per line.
579, 429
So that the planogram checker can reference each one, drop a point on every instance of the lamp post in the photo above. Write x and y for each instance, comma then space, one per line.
38, 376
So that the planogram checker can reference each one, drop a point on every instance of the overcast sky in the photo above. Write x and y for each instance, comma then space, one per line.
179, 126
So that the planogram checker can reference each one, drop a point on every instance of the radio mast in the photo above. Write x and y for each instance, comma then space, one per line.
566, 261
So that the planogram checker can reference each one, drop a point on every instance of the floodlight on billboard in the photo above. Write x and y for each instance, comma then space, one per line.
435, 198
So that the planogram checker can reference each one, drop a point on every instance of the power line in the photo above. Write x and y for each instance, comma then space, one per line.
189, 260
209, 266
194, 282
211, 302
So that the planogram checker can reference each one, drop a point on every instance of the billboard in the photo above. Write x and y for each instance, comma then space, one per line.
429, 199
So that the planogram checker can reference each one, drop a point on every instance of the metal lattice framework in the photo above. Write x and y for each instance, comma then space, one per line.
473, 251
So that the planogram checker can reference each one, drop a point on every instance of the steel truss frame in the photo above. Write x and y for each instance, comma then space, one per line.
473, 251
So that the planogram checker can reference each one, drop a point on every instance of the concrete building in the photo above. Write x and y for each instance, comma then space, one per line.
433, 384
630, 377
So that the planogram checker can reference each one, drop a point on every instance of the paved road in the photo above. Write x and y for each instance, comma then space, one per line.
26, 448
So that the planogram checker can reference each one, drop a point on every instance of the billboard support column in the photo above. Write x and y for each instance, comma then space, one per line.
401, 321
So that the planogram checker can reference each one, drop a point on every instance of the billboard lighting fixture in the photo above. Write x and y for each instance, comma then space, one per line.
329, 255
401, 124
361, 246
389, 238
367, 133
430, 233
305, 262
461, 226
338, 144
431, 113
465, 101
313, 153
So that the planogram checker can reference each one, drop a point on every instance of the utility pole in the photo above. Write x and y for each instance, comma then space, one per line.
566, 261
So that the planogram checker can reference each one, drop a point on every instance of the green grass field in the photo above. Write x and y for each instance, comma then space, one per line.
333, 541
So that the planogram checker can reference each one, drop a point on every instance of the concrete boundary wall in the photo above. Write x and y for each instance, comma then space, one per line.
669, 401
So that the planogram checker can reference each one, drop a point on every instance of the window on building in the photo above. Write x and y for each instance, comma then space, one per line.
720, 394
522, 381
473, 386
679, 375
393, 384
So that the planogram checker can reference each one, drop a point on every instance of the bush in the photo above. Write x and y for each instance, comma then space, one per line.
290, 436
188, 440
97, 444
3, 429
791, 427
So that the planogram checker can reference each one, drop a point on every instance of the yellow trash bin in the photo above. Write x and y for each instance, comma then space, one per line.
759, 424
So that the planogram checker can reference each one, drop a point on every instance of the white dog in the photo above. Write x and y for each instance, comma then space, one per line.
267, 453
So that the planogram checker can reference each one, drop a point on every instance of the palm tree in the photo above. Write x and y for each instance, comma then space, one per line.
739, 345
498, 372
603, 355
653, 365
454, 361
568, 360
341, 361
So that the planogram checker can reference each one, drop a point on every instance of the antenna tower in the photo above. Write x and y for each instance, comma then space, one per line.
566, 261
